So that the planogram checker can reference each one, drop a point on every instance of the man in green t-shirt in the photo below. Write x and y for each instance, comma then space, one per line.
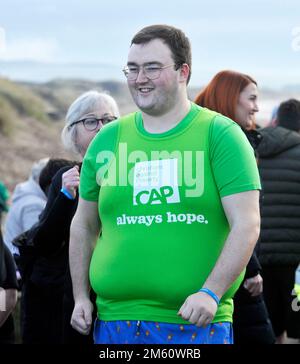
169, 195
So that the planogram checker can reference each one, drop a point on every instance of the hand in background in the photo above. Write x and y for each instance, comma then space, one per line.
70, 180
254, 285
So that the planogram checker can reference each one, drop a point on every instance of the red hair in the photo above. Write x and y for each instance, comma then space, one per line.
223, 91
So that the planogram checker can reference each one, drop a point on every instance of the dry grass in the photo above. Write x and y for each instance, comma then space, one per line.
23, 100
25, 105
7, 117
30, 141
26, 134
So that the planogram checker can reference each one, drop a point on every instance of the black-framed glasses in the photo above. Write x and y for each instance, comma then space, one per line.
151, 71
92, 124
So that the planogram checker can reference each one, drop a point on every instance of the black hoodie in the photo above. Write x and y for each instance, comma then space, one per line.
279, 166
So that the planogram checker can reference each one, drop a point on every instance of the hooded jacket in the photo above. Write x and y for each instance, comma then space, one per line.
279, 166
28, 201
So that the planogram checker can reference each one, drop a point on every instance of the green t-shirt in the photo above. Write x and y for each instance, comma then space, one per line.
163, 224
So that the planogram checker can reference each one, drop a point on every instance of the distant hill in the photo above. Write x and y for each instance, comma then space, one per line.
59, 93
41, 72
20, 100
32, 114
32, 117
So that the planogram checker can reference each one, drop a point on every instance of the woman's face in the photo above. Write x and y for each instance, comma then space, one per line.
247, 106
84, 136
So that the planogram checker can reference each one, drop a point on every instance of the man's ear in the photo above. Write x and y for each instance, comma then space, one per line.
184, 72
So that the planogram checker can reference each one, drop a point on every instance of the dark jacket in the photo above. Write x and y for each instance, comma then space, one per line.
8, 280
51, 236
251, 324
50, 279
8, 277
279, 166
253, 267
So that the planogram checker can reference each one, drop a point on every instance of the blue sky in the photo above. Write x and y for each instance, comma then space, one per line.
261, 38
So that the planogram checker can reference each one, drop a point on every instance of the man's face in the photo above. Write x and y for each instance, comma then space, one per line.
158, 96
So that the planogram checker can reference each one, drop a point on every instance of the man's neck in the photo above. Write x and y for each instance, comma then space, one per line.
163, 123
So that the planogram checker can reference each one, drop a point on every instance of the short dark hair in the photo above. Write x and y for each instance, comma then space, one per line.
174, 38
288, 115
50, 170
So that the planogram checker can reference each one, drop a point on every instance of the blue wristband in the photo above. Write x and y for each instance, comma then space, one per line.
67, 194
211, 294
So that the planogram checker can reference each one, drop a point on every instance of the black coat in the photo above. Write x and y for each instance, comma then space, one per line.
8, 280
50, 236
251, 323
51, 273
8, 277
279, 166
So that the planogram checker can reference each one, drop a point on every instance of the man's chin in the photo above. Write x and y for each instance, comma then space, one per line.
146, 108
152, 112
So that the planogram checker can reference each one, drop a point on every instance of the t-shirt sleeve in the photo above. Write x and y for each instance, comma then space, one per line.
232, 158
97, 159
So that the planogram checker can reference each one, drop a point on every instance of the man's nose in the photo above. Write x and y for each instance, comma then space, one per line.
141, 77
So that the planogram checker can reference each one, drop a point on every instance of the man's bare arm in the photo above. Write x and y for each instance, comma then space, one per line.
242, 212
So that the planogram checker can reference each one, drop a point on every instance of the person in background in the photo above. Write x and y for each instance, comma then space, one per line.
235, 95
273, 120
51, 319
27, 259
158, 278
4, 197
28, 201
279, 166
8, 280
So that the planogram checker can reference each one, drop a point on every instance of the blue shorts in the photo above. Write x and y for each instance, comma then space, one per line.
145, 332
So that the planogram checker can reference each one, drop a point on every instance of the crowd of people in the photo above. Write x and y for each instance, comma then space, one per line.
176, 224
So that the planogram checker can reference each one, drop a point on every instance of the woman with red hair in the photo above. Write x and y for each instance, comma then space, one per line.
234, 95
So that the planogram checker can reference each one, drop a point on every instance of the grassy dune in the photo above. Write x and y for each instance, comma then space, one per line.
32, 117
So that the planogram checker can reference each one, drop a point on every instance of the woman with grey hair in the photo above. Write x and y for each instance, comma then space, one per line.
51, 309
85, 117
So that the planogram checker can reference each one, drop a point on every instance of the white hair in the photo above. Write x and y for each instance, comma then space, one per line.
37, 168
84, 104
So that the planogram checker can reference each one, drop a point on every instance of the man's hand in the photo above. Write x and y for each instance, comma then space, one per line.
254, 285
81, 319
70, 180
199, 309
